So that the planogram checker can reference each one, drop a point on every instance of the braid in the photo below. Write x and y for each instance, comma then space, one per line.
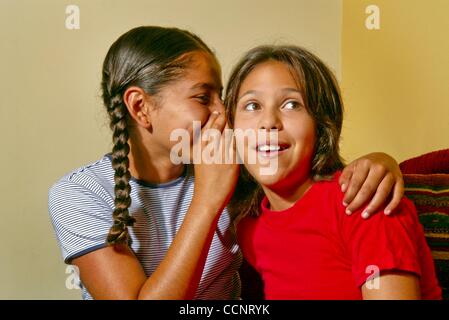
118, 116
149, 58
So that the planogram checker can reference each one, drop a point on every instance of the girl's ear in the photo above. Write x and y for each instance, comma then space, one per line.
138, 104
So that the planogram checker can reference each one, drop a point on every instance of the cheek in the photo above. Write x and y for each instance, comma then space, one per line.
309, 138
241, 125
307, 142
198, 114
194, 118
244, 122
304, 131
186, 120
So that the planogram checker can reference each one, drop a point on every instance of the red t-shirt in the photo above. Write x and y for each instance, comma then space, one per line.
313, 250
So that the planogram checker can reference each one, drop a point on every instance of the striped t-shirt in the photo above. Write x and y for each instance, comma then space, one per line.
81, 205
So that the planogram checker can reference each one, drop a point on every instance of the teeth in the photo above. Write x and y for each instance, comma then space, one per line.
265, 148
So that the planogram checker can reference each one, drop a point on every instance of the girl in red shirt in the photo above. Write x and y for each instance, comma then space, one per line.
292, 229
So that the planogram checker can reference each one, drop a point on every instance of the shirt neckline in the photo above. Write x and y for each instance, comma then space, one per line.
156, 185
282, 218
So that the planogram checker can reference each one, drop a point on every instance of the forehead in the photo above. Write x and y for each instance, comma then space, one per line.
268, 74
202, 68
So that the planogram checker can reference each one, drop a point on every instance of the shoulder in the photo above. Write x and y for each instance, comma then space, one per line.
328, 189
91, 185
388, 242
329, 183
400, 228
99, 170
327, 195
94, 177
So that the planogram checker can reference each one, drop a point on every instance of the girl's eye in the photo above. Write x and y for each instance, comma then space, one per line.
203, 99
292, 105
251, 106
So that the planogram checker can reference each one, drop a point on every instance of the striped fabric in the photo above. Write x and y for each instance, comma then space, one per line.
430, 194
81, 205
429, 163
426, 179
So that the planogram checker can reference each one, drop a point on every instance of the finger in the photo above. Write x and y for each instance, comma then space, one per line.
345, 177
366, 191
212, 118
398, 193
227, 145
209, 135
219, 123
359, 175
381, 196
197, 135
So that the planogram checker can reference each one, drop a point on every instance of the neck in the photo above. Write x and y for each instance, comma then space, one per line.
149, 163
283, 198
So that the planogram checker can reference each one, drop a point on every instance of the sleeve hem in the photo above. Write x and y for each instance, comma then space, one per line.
407, 266
68, 259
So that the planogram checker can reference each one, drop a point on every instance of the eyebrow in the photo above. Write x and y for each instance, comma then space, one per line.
249, 92
207, 86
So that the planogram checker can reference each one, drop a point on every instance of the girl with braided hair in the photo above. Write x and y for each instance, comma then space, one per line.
139, 226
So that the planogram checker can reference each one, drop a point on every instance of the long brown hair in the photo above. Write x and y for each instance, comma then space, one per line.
322, 99
151, 58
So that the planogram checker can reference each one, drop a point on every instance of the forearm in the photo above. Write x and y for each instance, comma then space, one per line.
178, 275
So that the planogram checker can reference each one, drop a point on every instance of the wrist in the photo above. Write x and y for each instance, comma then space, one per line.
208, 204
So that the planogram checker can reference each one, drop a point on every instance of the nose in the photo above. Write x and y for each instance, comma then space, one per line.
270, 120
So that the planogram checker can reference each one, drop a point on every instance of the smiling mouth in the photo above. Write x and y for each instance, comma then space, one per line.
271, 149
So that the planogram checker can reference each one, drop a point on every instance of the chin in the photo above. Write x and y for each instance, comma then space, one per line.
265, 179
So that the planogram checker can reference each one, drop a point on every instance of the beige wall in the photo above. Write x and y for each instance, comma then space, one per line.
51, 115
395, 80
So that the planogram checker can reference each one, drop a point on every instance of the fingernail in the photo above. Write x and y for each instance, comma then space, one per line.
348, 212
387, 211
216, 112
343, 187
345, 204
365, 215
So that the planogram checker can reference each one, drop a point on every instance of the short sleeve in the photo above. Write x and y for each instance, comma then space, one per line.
383, 242
81, 219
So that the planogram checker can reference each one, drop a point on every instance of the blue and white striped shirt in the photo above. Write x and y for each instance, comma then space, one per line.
81, 205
